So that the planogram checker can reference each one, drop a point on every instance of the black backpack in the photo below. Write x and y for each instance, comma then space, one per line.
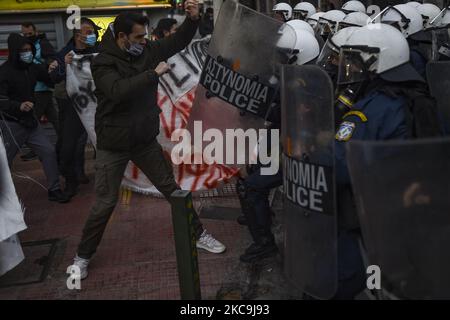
422, 113
424, 116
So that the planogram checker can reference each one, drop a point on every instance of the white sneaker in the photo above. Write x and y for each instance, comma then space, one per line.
210, 244
83, 265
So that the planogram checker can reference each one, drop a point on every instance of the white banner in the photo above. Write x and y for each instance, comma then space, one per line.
11, 217
11, 254
80, 88
11, 211
176, 92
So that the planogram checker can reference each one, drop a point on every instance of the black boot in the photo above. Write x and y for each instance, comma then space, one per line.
71, 188
58, 196
265, 247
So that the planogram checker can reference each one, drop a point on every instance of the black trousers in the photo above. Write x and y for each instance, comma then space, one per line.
71, 141
110, 167
44, 106
255, 203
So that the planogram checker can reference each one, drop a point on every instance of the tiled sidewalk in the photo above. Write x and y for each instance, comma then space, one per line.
136, 259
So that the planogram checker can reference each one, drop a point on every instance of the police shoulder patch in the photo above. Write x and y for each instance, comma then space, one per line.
345, 131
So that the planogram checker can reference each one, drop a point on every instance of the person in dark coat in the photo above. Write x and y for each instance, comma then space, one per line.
126, 74
18, 123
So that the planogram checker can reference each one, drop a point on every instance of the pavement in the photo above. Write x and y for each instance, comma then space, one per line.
136, 258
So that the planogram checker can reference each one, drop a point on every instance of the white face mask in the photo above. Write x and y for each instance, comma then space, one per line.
135, 49
26, 57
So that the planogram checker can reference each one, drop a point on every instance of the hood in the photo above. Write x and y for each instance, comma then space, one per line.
108, 45
15, 43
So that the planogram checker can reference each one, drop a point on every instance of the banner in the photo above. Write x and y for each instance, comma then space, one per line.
16, 5
80, 88
176, 93
11, 218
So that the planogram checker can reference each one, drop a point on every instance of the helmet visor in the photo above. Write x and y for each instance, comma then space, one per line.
300, 14
280, 15
341, 25
285, 44
325, 27
352, 67
329, 58
347, 11
313, 23
286, 55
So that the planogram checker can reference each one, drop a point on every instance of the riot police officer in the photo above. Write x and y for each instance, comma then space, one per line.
303, 10
254, 190
409, 21
282, 11
353, 6
371, 104
328, 23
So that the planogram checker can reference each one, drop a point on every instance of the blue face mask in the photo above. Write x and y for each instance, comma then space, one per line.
27, 57
91, 39
135, 49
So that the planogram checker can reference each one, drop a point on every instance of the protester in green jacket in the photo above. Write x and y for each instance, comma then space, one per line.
126, 73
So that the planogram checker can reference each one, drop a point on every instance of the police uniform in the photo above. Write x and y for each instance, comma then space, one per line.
255, 204
376, 116
253, 192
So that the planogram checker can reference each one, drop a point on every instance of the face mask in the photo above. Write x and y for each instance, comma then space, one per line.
26, 57
91, 39
135, 49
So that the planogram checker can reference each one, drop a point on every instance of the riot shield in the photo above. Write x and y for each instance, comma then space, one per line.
438, 76
440, 38
307, 132
240, 78
402, 191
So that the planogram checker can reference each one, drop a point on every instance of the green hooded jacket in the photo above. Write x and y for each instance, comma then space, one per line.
127, 113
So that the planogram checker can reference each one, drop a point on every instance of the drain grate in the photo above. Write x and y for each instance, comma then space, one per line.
36, 265
228, 190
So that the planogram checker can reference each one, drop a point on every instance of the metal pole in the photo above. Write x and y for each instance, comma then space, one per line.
185, 245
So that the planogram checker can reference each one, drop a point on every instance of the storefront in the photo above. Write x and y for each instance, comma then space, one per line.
50, 16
